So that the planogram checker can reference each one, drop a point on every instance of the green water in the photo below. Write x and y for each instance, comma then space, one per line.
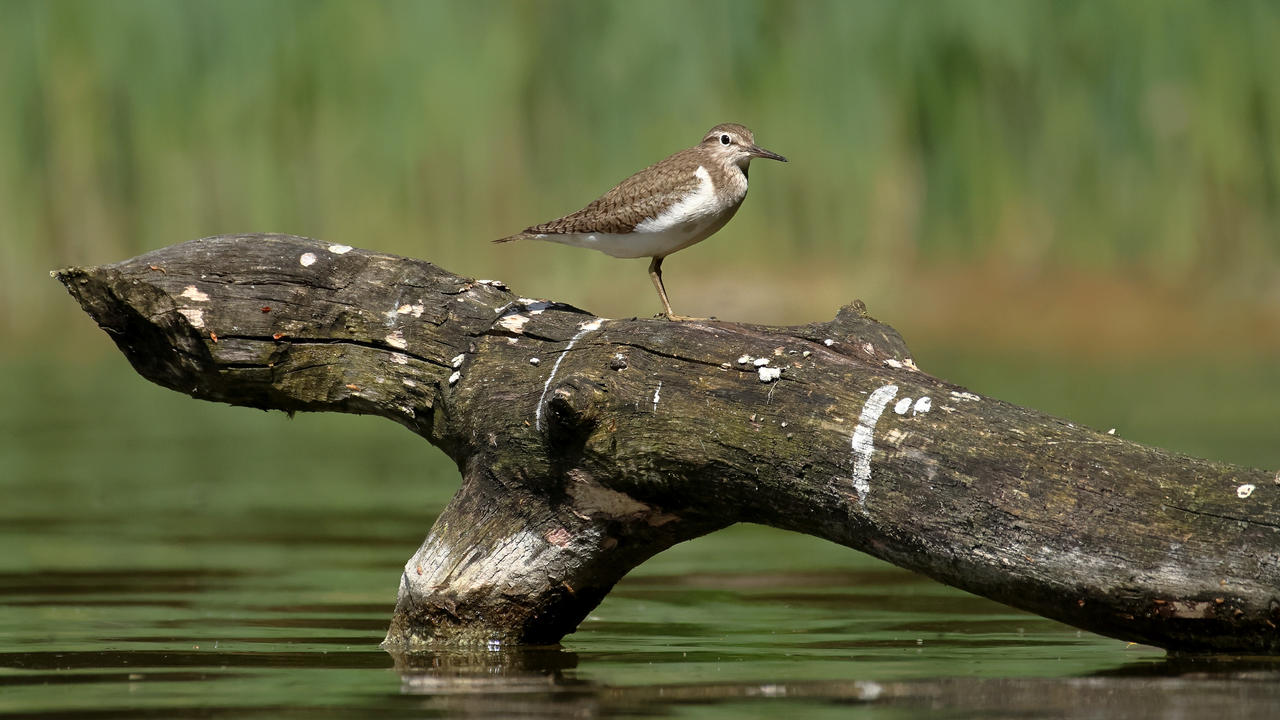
161, 557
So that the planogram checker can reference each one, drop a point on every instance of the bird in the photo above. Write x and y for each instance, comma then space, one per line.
668, 206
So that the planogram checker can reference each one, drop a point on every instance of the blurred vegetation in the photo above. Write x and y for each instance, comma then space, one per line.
950, 140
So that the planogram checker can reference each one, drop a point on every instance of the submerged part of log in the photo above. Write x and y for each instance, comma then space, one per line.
588, 444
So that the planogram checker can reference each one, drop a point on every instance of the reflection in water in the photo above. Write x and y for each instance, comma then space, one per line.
512, 669
533, 683
215, 642
505, 682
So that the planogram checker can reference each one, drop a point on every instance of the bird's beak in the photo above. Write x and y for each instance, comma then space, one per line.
757, 151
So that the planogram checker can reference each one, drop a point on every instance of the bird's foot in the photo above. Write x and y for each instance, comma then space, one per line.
679, 318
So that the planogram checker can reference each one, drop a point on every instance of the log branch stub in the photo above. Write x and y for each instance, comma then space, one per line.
588, 444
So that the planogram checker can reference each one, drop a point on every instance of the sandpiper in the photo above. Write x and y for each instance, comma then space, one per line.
666, 207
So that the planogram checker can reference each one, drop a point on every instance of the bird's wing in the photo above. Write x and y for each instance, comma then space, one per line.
640, 197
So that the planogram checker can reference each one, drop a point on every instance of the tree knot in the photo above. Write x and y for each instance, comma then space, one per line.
574, 405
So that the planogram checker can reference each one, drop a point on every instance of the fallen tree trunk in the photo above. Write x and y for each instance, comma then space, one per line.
586, 445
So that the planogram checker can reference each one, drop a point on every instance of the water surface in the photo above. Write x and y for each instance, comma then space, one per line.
161, 557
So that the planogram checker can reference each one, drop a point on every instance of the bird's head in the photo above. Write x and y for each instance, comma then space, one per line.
736, 142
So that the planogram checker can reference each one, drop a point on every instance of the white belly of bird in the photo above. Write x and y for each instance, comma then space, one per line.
692, 220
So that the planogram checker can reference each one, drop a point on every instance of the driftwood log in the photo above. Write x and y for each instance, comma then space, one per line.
587, 445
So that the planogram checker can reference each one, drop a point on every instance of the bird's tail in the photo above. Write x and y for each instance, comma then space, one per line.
509, 238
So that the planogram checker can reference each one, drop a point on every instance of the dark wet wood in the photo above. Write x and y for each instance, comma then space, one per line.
586, 445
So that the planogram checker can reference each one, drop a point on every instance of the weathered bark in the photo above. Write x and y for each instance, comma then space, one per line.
588, 444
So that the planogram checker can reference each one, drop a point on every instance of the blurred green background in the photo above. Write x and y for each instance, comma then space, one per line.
1070, 205
1073, 206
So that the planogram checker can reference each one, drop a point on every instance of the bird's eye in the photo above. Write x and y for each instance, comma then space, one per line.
724, 139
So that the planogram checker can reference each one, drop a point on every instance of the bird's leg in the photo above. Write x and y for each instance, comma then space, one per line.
655, 274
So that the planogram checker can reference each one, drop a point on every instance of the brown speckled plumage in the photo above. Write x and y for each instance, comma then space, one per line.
669, 205
647, 193
641, 196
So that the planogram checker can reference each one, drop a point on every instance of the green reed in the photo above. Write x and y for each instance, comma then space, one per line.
1110, 136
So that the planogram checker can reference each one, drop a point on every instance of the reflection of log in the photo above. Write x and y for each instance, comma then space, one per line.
586, 445
533, 683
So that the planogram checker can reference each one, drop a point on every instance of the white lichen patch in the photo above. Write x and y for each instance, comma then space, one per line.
911, 364
339, 249
415, 309
534, 361
828, 342
195, 316
454, 377
769, 374
744, 359
863, 437
1245, 490
399, 358
409, 383
583, 329
806, 353
868, 348
893, 364
965, 396
396, 340
535, 307
922, 405
513, 323
457, 360
760, 362
493, 283
191, 292
657, 392
307, 259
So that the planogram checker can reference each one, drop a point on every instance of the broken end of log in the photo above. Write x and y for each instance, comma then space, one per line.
161, 345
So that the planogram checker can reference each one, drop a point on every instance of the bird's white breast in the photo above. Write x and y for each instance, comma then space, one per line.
699, 204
